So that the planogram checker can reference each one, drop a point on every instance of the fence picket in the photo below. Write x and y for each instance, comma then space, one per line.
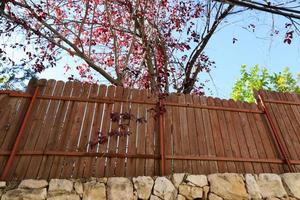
103, 130
133, 137
58, 142
36, 163
32, 135
225, 136
141, 134
202, 135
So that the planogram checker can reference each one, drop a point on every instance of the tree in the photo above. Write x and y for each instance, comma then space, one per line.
259, 78
157, 44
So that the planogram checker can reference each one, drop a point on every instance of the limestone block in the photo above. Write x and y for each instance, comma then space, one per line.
252, 187
164, 189
153, 197
20, 194
60, 186
205, 192
190, 192
270, 185
212, 196
143, 186
102, 180
66, 196
177, 179
2, 184
228, 186
198, 180
180, 197
33, 184
292, 183
119, 187
78, 186
94, 191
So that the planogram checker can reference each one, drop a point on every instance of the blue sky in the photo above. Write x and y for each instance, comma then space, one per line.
250, 49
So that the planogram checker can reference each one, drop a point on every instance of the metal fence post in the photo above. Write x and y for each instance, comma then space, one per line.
279, 142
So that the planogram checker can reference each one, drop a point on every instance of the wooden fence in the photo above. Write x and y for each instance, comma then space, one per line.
63, 130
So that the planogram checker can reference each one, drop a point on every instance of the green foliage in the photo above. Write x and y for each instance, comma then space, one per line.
3, 80
14, 77
260, 78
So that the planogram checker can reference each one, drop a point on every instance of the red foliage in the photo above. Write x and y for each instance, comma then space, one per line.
141, 44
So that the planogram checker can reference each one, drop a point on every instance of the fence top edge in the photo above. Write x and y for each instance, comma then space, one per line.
203, 100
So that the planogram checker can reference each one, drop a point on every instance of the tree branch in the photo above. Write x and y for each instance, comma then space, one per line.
189, 82
263, 7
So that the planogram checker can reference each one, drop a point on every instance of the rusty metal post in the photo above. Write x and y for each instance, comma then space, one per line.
279, 142
14, 150
162, 136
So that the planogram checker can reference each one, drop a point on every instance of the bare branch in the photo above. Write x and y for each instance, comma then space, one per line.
264, 7
190, 81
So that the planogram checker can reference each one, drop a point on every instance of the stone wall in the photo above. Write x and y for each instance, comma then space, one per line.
178, 186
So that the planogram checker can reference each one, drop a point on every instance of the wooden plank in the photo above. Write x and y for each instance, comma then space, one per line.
3, 99
7, 110
9, 113
152, 131
32, 135
192, 135
296, 110
280, 124
241, 137
63, 166
141, 134
290, 122
216, 133
267, 140
133, 137
271, 134
58, 141
211, 148
12, 112
225, 136
293, 122
75, 130
168, 136
93, 133
187, 165
37, 139
44, 131
113, 140
157, 138
233, 137
257, 138
176, 165
103, 128
5, 105
46, 162
249, 138
86, 128
295, 114
201, 136
122, 142
100, 165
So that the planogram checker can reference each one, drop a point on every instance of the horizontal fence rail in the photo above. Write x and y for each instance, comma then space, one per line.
63, 130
